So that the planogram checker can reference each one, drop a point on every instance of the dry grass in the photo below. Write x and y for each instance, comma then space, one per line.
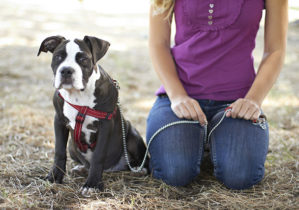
27, 139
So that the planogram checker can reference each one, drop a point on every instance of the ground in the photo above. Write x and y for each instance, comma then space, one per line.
26, 113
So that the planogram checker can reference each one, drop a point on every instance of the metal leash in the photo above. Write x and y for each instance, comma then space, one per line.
138, 169
261, 122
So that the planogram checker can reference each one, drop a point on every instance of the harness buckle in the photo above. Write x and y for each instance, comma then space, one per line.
80, 118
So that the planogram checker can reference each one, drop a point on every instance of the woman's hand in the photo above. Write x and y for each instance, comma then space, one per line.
187, 107
159, 43
244, 108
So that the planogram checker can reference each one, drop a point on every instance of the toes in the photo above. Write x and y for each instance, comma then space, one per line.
88, 192
54, 178
55, 175
88, 189
49, 178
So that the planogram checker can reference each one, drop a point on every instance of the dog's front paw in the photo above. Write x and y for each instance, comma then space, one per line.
87, 192
55, 175
88, 189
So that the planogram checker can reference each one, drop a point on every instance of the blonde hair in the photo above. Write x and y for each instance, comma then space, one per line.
161, 6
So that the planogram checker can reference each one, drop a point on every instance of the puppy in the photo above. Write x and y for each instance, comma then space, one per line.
86, 107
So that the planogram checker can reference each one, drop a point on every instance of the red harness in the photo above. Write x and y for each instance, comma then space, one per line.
82, 112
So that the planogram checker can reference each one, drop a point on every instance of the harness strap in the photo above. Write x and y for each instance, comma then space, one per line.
82, 112
78, 128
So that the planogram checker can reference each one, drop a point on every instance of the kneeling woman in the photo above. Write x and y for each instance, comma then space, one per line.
209, 68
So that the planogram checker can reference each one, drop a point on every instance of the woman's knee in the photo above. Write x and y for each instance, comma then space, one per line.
240, 178
175, 151
239, 151
176, 174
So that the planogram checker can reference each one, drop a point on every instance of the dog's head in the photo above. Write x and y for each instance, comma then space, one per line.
73, 61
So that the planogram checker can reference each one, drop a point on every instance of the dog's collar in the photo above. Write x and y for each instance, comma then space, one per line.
82, 112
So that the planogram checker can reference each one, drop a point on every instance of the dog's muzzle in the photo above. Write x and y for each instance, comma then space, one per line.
67, 75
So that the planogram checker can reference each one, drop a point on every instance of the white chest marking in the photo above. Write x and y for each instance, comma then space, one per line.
81, 98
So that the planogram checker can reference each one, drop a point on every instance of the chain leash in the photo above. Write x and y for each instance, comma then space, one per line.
138, 169
261, 122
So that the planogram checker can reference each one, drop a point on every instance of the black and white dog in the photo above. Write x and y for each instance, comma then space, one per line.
86, 107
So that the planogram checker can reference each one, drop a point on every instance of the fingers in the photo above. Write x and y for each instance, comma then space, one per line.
188, 108
177, 111
236, 107
248, 114
253, 113
185, 111
256, 115
200, 116
244, 108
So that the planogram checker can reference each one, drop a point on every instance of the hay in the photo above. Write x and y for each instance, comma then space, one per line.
26, 143
27, 139
24, 166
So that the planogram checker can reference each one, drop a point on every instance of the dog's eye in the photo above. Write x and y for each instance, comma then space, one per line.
58, 57
83, 60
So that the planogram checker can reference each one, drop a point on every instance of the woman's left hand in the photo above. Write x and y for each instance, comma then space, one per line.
244, 108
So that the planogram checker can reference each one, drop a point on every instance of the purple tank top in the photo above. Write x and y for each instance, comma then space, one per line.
213, 46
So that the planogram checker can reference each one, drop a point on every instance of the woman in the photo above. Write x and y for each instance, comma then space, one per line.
210, 68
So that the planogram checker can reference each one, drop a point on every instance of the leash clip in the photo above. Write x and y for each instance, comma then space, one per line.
116, 84
261, 121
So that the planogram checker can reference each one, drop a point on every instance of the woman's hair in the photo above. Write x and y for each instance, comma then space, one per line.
161, 6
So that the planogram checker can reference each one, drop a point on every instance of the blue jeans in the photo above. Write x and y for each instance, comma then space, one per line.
238, 147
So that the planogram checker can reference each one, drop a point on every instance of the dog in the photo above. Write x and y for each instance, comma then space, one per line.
86, 107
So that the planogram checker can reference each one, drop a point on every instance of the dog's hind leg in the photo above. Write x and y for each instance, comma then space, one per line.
82, 168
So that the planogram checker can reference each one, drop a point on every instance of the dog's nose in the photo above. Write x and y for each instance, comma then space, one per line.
67, 72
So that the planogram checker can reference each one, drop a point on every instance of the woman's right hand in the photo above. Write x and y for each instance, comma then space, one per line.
186, 107
159, 43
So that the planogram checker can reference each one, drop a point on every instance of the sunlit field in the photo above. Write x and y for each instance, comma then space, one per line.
26, 113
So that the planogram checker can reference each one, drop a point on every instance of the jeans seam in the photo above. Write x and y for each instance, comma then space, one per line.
212, 141
214, 156
200, 152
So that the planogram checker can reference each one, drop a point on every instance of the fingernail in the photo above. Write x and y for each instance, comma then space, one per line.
205, 123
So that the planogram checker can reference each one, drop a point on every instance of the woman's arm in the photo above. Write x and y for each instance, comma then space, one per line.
276, 24
159, 44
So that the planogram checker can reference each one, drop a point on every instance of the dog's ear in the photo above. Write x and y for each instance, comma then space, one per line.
98, 47
50, 44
